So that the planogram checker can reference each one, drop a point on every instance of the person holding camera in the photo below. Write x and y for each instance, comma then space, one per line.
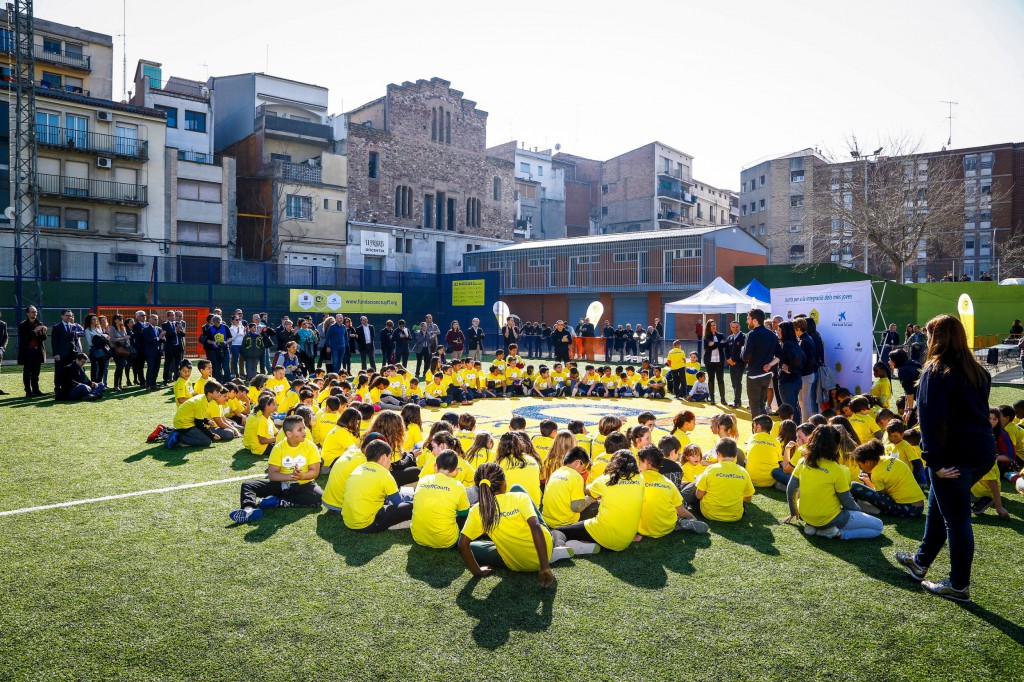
31, 350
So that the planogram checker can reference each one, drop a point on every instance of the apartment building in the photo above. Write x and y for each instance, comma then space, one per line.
291, 185
713, 205
648, 188
100, 172
423, 188
540, 191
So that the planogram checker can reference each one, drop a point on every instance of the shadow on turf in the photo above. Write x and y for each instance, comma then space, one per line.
273, 521
516, 603
753, 530
358, 549
172, 458
436, 567
646, 564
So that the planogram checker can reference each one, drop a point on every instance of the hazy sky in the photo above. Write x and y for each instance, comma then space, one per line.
728, 82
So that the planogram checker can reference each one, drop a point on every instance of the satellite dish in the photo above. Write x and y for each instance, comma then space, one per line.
10, 212
558, 147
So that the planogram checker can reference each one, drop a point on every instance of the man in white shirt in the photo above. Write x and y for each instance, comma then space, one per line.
238, 330
365, 334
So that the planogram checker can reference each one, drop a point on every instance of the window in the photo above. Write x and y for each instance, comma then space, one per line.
194, 190
711, 213
472, 212
969, 246
796, 176
340, 204
753, 207
497, 189
760, 205
760, 229
700, 211
172, 115
121, 258
52, 80
428, 210
372, 171
604, 189
77, 131
403, 202
985, 242
524, 167
51, 46
762, 181
625, 258
399, 245
198, 233
7, 41
970, 164
795, 227
433, 125
987, 160
796, 251
298, 207
451, 214
76, 219
326, 202
49, 216
604, 210
195, 121
744, 209
986, 186
744, 188
73, 50
796, 201
47, 127
540, 171
126, 222
287, 158
408, 245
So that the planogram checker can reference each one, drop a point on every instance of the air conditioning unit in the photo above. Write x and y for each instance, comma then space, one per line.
104, 162
104, 116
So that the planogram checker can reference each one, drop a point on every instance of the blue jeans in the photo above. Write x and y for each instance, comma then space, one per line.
81, 392
781, 476
860, 526
337, 358
949, 520
791, 396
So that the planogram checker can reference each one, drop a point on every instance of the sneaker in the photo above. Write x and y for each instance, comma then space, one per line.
246, 515
908, 562
809, 529
156, 432
579, 547
981, 505
692, 525
171, 440
269, 502
944, 588
780, 486
831, 533
559, 553
868, 508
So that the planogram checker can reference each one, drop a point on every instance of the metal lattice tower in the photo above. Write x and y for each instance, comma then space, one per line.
26, 194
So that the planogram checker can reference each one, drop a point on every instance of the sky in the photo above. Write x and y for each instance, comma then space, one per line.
729, 82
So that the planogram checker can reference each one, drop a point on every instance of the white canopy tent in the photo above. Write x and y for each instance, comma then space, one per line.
717, 298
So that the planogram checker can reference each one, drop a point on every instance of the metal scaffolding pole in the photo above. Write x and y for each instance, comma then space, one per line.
26, 194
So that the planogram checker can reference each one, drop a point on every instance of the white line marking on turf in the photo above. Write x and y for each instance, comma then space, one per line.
122, 496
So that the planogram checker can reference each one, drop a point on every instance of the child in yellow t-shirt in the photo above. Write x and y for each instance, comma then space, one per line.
326, 419
693, 463
495, 382
466, 433
414, 393
691, 368
260, 434
205, 368
481, 450
278, 383
675, 361
763, 452
897, 445
183, 389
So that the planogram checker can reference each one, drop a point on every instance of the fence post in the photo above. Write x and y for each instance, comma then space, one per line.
95, 280
315, 278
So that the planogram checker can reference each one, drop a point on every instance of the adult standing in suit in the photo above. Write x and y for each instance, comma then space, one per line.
365, 338
31, 350
139, 363
3, 347
387, 343
152, 337
65, 340
174, 345
402, 338
475, 339
734, 358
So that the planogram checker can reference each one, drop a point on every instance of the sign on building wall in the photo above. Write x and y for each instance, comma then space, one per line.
373, 244
311, 301
468, 292
842, 312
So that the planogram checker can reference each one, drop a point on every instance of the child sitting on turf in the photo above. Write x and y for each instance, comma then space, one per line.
440, 504
1007, 457
656, 383
863, 423
260, 433
723, 488
292, 469
579, 430
463, 471
826, 505
551, 458
663, 509
897, 445
521, 469
326, 419
466, 432
639, 437
670, 455
614, 442
542, 443
985, 493
886, 484
192, 426
565, 501
699, 391
543, 386
791, 439
372, 502
480, 451
764, 453
495, 382
183, 389
517, 538
344, 435
693, 463
620, 490
682, 424
414, 393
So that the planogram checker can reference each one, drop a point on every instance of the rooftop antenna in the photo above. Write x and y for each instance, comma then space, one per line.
124, 48
266, 69
949, 142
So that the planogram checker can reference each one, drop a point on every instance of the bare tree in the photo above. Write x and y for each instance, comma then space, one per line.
270, 221
895, 202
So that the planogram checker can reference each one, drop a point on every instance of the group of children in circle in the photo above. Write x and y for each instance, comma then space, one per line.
558, 493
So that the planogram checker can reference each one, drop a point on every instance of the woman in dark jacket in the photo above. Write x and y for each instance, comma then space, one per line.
791, 362
353, 343
958, 448
714, 358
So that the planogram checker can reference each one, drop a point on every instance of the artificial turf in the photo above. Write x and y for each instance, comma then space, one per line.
165, 587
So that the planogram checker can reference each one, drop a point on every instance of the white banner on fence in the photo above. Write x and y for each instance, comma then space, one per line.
842, 312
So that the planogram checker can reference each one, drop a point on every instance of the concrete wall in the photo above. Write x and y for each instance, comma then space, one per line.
234, 101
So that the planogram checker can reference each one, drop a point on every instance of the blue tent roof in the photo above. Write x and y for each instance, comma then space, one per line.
755, 289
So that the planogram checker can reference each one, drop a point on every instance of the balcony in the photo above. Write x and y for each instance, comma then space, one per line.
83, 189
92, 143
195, 157
301, 173
291, 129
49, 85
664, 192
675, 174
72, 60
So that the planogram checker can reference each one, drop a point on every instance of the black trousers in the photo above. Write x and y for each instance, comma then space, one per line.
152, 369
405, 471
139, 369
30, 374
366, 356
300, 495
172, 357
679, 382
716, 370
736, 377
389, 515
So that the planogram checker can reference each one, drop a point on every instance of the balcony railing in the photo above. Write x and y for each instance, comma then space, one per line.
49, 85
301, 173
195, 157
84, 189
97, 143
74, 60
676, 194
292, 128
